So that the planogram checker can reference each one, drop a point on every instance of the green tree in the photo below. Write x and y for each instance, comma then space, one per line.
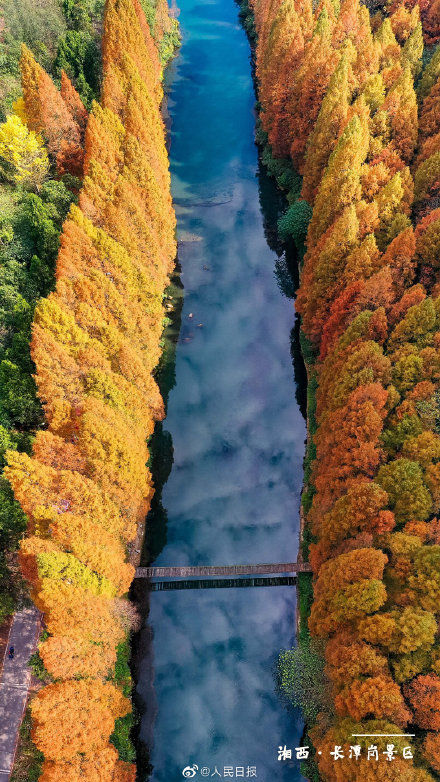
408, 494
18, 405
303, 681
425, 578
430, 75
295, 222
80, 57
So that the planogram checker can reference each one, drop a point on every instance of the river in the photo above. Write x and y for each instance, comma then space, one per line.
206, 678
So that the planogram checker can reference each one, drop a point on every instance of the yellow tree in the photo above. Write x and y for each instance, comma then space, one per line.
413, 50
323, 265
23, 153
340, 185
310, 84
401, 106
324, 136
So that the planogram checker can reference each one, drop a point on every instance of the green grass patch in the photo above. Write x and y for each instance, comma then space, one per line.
121, 738
29, 759
37, 667
122, 673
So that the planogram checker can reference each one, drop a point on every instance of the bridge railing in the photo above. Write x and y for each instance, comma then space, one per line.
222, 570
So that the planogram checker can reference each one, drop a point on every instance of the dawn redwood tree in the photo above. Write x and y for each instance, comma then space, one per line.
276, 69
377, 696
413, 49
430, 75
431, 750
103, 766
341, 178
348, 446
47, 113
95, 344
401, 106
74, 103
403, 20
360, 509
323, 265
400, 631
73, 718
311, 81
408, 495
348, 587
352, 769
422, 694
370, 318
330, 121
430, 12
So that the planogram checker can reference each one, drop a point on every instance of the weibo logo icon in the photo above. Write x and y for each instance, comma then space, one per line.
190, 771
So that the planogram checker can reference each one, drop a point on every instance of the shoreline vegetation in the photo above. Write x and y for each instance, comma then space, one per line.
349, 103
87, 215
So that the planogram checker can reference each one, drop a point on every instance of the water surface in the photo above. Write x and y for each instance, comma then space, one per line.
206, 683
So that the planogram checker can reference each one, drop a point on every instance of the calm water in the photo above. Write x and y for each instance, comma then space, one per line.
206, 683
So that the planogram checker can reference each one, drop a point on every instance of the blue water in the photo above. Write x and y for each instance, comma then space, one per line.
206, 687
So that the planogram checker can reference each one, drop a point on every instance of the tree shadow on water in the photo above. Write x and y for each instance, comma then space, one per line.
273, 205
160, 464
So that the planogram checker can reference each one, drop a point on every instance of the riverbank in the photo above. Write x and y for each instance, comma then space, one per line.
289, 183
95, 375
234, 431
368, 202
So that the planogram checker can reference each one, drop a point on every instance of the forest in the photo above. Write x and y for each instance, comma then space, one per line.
349, 125
350, 109
87, 245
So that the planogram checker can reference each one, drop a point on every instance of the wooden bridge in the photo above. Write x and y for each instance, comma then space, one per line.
221, 571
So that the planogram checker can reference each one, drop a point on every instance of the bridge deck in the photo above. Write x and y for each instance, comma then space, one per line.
222, 570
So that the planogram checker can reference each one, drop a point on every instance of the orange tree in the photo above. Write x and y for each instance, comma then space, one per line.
95, 345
